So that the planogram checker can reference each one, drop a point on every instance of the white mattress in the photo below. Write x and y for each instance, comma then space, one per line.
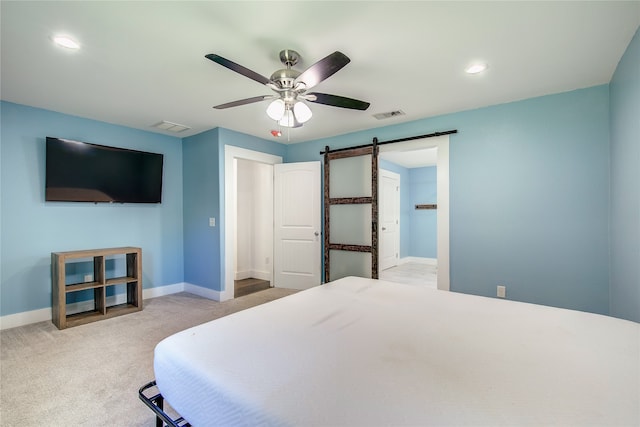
361, 352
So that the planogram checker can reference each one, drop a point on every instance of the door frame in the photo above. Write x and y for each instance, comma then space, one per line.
232, 153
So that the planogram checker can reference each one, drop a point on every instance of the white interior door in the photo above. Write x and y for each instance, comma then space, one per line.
297, 241
388, 219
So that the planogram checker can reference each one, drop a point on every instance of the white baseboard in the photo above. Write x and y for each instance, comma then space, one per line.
244, 274
203, 292
262, 275
44, 314
160, 291
253, 274
25, 318
418, 260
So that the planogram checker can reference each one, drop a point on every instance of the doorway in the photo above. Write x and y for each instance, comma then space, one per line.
254, 226
416, 154
232, 156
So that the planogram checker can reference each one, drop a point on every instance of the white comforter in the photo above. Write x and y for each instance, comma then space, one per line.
361, 352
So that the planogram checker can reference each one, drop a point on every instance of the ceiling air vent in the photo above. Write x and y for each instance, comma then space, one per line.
382, 116
171, 127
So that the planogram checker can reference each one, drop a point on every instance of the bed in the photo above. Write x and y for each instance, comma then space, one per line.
362, 352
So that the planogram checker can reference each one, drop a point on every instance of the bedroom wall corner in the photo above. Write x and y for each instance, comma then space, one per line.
624, 104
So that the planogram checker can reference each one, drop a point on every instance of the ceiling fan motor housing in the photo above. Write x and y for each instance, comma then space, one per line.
285, 77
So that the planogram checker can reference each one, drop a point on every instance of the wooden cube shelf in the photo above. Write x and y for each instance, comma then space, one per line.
100, 283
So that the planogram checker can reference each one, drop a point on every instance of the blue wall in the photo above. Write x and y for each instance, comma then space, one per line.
423, 222
31, 229
529, 190
625, 184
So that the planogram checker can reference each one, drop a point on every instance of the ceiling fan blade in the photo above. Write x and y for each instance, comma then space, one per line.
243, 102
322, 69
337, 101
237, 68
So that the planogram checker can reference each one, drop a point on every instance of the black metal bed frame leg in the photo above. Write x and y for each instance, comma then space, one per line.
156, 404
160, 403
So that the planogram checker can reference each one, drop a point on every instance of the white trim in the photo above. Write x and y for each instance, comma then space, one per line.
160, 291
261, 274
244, 274
442, 215
44, 314
418, 260
232, 153
25, 318
253, 274
442, 143
203, 292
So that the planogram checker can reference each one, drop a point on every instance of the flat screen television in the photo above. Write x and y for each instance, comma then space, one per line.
82, 172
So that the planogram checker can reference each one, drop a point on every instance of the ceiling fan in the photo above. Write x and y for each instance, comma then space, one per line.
291, 86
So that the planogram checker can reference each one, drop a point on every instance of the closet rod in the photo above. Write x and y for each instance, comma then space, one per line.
411, 138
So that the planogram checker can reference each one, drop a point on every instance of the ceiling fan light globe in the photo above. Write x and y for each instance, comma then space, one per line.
275, 110
302, 112
287, 119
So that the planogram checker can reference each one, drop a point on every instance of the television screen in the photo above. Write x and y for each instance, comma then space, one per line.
82, 172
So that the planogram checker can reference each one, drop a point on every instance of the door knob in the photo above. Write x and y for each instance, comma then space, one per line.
316, 234
384, 228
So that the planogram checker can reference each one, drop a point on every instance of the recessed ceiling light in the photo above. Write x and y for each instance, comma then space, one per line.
476, 68
66, 41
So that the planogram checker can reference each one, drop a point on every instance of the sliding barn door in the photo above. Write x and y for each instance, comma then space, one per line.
297, 225
351, 213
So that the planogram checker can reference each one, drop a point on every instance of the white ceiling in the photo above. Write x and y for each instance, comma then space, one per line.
143, 62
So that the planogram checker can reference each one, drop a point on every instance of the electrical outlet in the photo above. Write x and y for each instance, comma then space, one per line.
212, 222
267, 260
88, 278
502, 291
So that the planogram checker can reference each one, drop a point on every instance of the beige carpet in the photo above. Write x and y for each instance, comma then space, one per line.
90, 375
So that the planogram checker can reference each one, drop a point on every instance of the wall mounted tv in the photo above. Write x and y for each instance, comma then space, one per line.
82, 172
